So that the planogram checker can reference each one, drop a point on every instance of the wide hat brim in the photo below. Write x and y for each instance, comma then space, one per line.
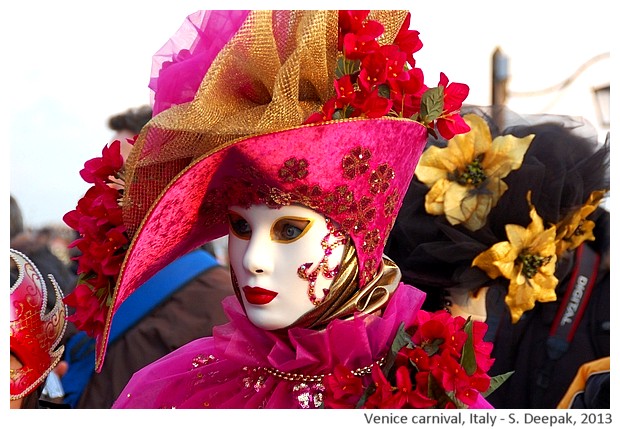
355, 171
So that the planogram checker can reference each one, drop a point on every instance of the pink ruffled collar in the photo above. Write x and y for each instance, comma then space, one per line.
355, 343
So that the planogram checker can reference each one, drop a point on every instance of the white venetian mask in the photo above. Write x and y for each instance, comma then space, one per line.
283, 259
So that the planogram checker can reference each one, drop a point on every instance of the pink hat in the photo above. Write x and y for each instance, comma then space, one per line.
280, 116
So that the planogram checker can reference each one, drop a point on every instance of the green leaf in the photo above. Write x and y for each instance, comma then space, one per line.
401, 339
384, 91
431, 106
367, 392
455, 401
338, 114
437, 392
468, 356
344, 67
497, 381
432, 347
348, 111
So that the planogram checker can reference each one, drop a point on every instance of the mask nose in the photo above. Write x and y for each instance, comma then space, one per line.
258, 259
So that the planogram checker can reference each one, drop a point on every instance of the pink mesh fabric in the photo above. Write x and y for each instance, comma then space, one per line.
179, 66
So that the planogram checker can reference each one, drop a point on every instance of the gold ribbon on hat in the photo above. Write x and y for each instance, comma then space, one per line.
275, 71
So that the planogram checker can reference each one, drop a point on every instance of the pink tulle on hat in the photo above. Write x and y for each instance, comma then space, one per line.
179, 66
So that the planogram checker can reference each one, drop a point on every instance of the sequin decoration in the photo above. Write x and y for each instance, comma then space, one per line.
390, 203
380, 179
370, 266
293, 169
253, 380
309, 395
202, 360
359, 207
355, 163
371, 240
331, 241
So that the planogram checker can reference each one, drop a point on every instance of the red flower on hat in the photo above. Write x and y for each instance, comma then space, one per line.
375, 80
103, 240
357, 36
99, 169
408, 40
450, 122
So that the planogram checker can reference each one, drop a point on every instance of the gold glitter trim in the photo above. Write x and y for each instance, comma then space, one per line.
291, 376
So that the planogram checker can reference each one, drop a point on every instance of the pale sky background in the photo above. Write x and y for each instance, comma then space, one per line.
69, 65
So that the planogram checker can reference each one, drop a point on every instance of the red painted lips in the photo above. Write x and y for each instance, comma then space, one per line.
258, 295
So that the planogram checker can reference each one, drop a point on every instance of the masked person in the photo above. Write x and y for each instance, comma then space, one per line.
36, 333
505, 224
301, 154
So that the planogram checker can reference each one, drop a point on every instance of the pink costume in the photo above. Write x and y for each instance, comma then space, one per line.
235, 367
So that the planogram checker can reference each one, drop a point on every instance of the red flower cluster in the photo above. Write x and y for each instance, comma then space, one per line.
374, 81
98, 218
443, 363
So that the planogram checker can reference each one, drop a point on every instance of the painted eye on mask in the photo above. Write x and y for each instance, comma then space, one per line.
289, 229
239, 226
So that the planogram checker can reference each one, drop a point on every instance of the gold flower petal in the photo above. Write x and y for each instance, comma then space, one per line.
543, 243
434, 200
574, 229
572, 241
435, 164
518, 236
497, 260
505, 154
523, 297
505, 259
462, 205
478, 138
457, 203
475, 164
471, 209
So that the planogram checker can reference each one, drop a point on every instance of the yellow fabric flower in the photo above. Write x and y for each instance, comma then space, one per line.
574, 229
465, 177
528, 260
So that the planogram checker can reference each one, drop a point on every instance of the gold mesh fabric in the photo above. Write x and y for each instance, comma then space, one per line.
276, 71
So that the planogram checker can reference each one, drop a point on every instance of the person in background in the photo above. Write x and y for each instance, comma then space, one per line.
505, 225
590, 387
36, 245
36, 333
16, 218
179, 304
126, 125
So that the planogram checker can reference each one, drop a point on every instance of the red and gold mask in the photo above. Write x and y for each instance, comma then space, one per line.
35, 334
